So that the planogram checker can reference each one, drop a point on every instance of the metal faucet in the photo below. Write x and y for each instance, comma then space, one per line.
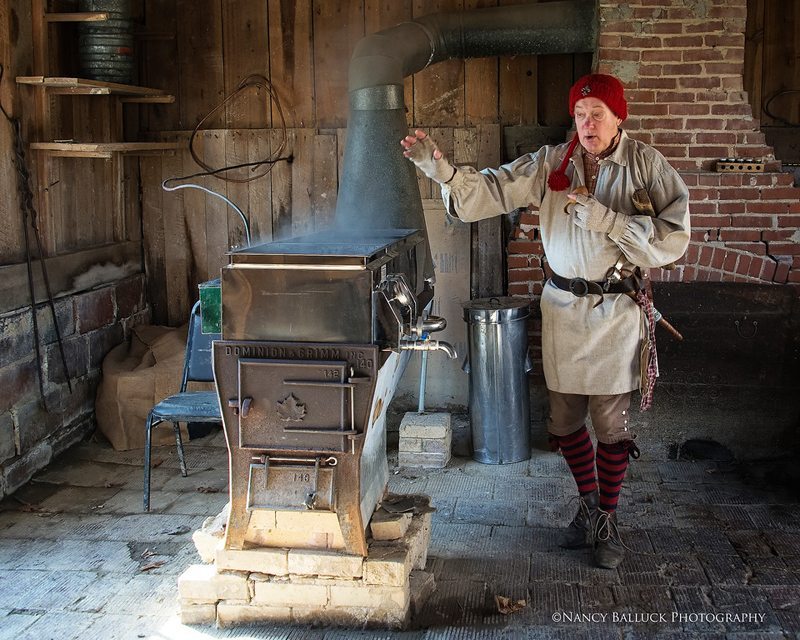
429, 345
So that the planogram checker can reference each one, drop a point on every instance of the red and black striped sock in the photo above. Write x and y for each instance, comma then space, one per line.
612, 463
578, 451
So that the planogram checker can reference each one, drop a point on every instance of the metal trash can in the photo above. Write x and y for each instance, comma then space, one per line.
498, 364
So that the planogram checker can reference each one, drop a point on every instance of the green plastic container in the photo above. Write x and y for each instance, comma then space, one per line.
211, 306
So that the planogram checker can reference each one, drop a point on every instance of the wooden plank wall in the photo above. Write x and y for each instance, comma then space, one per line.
200, 50
80, 202
303, 47
772, 48
15, 57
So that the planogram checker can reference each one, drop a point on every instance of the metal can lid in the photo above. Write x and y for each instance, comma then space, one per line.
496, 309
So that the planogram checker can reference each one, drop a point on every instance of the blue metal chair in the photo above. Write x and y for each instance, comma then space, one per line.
185, 406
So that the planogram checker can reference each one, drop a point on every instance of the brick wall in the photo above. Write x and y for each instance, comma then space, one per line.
32, 433
682, 66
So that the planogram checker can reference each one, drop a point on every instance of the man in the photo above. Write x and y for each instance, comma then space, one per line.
596, 320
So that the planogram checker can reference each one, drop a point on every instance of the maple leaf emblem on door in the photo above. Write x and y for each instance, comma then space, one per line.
290, 409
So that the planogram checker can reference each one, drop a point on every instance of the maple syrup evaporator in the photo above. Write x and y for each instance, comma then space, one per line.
316, 333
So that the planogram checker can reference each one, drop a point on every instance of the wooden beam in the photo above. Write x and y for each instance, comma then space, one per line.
42, 127
63, 153
149, 99
11, 231
488, 256
81, 16
89, 86
79, 91
69, 273
101, 149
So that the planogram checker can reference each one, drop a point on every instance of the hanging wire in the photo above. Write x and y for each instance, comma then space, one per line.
172, 184
190, 185
260, 82
779, 118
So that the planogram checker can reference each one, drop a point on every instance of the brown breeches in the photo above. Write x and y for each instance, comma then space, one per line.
609, 414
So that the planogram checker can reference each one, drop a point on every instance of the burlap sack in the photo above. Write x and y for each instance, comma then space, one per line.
135, 377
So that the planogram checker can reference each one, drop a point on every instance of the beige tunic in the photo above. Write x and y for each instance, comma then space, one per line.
586, 350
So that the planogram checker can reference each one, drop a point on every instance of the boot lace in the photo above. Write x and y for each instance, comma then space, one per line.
607, 530
583, 512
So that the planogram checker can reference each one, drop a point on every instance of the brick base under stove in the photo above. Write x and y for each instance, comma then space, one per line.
310, 586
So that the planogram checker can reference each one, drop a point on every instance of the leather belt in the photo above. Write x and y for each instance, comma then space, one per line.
581, 287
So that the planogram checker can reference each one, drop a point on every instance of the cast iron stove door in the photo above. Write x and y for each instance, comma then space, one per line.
295, 418
295, 405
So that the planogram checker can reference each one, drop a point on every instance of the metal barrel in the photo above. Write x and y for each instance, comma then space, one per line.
499, 401
106, 48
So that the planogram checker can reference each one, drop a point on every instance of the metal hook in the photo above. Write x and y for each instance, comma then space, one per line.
739, 330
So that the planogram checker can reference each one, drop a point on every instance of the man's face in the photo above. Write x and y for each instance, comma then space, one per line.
596, 124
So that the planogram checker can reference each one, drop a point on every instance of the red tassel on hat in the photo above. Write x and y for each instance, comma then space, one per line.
558, 180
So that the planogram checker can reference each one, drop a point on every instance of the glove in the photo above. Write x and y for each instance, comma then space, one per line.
591, 214
424, 153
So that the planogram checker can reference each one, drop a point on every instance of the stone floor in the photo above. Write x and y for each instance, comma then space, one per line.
717, 551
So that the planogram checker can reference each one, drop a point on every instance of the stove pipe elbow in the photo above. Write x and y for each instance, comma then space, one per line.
386, 57
378, 187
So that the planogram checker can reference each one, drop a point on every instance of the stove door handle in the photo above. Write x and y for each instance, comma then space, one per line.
245, 408
242, 407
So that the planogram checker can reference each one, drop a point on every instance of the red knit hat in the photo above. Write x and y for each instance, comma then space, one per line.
603, 87
596, 85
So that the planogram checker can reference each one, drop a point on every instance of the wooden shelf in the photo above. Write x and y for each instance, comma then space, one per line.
103, 149
50, 82
160, 99
82, 86
83, 16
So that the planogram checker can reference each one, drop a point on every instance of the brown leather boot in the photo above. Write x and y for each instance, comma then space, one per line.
580, 532
609, 550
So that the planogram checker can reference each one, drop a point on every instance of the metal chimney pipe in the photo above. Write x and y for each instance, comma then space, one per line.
378, 187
